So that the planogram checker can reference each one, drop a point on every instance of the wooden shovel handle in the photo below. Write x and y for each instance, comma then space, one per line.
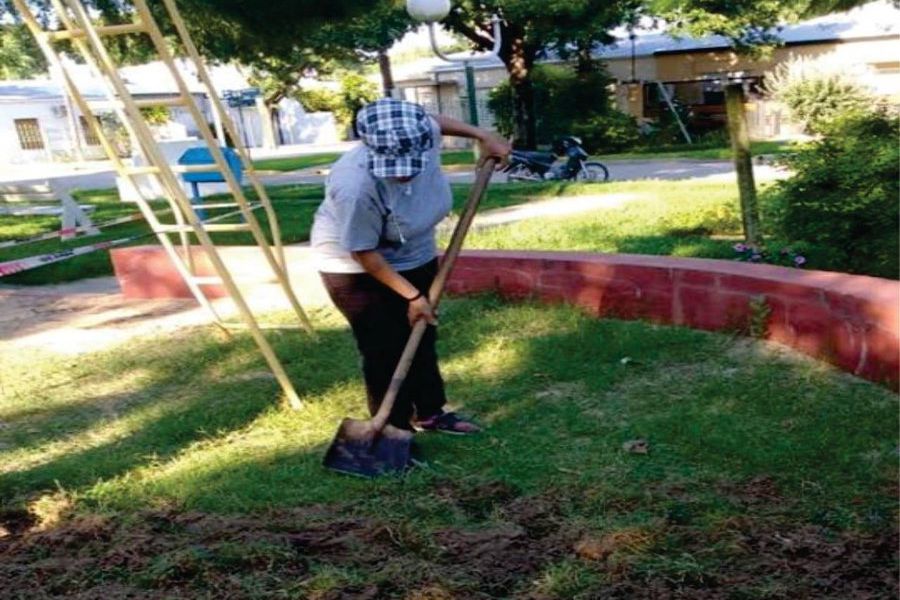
483, 177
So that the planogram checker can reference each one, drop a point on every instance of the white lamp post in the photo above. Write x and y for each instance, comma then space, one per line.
432, 11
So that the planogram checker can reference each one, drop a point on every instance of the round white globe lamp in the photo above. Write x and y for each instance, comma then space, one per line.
432, 11
428, 11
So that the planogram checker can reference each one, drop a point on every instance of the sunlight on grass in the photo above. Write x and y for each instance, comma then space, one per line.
196, 423
677, 218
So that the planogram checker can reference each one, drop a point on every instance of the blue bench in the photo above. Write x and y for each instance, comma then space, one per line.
201, 155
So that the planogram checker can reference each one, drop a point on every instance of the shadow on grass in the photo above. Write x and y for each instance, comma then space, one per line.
559, 392
748, 447
177, 392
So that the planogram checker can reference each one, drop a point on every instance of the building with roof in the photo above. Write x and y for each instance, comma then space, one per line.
692, 70
39, 123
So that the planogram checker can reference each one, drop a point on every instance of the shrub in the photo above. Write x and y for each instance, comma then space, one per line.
566, 103
156, 115
816, 92
611, 132
319, 100
356, 91
842, 199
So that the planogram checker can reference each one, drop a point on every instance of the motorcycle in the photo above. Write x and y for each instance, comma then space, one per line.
542, 166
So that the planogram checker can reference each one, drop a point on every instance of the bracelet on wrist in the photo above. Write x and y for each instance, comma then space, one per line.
416, 297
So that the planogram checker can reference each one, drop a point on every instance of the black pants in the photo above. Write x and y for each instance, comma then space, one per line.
378, 318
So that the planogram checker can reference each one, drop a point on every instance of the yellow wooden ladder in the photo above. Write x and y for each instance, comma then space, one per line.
76, 27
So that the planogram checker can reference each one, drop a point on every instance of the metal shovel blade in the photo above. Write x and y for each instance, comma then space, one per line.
357, 449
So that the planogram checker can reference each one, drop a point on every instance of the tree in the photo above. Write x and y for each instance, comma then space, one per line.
367, 37
752, 27
246, 30
301, 42
278, 77
529, 29
750, 24
20, 57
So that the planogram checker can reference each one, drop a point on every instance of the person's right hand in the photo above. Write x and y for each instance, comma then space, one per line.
493, 146
420, 308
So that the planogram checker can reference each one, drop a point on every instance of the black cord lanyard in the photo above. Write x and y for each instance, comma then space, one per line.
387, 215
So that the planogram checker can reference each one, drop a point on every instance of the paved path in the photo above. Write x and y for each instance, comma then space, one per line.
89, 315
98, 176
84, 316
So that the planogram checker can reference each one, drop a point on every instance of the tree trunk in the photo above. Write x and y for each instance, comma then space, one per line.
743, 161
519, 66
387, 78
585, 64
518, 57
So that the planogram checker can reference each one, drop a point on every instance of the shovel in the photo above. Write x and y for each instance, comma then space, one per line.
372, 448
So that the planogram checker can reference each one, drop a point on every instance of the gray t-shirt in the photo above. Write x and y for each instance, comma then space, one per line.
362, 213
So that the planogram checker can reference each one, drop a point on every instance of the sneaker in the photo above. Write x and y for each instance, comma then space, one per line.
447, 422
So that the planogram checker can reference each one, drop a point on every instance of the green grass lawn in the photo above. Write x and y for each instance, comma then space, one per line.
294, 204
465, 157
294, 163
703, 152
167, 468
671, 218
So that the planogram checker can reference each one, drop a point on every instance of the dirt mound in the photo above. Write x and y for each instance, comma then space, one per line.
504, 550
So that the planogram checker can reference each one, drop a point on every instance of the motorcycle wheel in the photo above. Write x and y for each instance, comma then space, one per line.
593, 171
522, 173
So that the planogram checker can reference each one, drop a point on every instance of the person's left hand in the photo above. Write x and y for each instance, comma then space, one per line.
493, 146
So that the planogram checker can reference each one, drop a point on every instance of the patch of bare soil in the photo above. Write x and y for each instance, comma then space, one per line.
513, 539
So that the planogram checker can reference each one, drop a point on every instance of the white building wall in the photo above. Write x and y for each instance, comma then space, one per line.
300, 127
55, 131
296, 125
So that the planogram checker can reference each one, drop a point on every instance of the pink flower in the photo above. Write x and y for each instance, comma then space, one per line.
799, 260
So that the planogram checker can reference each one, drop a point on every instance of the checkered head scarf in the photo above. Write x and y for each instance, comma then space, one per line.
397, 135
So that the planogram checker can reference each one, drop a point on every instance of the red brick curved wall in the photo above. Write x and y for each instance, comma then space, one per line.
848, 320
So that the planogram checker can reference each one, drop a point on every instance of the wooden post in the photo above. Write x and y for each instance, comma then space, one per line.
743, 161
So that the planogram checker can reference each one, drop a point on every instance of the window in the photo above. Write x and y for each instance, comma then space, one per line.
29, 134
90, 138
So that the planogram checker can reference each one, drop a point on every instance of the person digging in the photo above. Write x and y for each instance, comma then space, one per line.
374, 239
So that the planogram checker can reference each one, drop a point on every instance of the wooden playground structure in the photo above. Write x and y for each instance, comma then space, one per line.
174, 221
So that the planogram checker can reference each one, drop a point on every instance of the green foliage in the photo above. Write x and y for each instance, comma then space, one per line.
319, 100
785, 257
247, 31
366, 33
279, 76
569, 103
20, 57
611, 132
750, 24
356, 91
842, 200
529, 28
760, 312
816, 92
156, 115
